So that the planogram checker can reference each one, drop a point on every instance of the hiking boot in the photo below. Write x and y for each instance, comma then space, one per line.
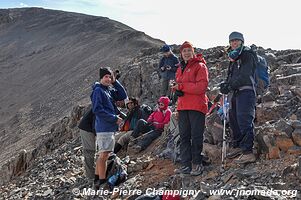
96, 184
197, 170
245, 158
183, 170
99, 184
235, 152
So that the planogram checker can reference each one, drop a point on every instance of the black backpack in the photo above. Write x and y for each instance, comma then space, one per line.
147, 109
116, 171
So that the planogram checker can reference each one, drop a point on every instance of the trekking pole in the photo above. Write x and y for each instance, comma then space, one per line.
224, 147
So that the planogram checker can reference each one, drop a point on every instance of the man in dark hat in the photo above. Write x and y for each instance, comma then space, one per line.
104, 95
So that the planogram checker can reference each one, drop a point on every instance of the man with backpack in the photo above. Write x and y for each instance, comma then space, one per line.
88, 135
241, 83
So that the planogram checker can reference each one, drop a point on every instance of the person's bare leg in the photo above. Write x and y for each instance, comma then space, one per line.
102, 164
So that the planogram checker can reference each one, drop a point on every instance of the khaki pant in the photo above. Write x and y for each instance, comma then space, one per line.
125, 139
88, 143
165, 88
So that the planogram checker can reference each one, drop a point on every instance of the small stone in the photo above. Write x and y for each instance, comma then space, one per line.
295, 150
151, 165
215, 197
297, 137
289, 169
284, 126
47, 192
296, 124
284, 142
225, 179
274, 153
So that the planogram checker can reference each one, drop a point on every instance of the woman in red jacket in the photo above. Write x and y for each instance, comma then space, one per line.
191, 86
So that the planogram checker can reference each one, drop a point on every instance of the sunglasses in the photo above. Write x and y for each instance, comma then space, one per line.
161, 104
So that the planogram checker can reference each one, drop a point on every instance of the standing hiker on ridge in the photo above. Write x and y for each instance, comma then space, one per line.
167, 68
239, 83
191, 86
105, 93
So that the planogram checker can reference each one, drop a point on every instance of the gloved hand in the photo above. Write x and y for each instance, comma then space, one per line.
179, 93
225, 88
149, 124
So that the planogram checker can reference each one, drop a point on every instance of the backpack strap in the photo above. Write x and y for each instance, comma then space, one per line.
251, 77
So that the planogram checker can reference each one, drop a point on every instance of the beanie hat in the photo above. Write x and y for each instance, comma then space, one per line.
186, 45
165, 101
104, 71
236, 36
165, 48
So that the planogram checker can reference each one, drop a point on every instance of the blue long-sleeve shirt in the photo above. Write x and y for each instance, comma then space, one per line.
103, 106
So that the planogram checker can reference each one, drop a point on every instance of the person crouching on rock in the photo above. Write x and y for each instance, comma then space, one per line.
105, 93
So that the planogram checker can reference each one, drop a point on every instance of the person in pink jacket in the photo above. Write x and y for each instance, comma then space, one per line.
154, 126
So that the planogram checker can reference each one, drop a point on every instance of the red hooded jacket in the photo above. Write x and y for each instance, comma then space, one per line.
193, 82
161, 117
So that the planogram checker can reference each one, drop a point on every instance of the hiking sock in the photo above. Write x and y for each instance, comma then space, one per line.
117, 148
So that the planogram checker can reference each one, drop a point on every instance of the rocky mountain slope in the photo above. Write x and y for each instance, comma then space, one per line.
48, 62
52, 168
60, 172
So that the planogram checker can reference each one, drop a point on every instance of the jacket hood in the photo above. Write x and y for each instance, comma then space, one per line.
198, 58
165, 101
95, 85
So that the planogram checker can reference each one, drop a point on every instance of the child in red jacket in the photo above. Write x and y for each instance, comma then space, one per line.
154, 126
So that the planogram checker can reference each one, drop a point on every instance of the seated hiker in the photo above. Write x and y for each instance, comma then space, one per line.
153, 127
135, 112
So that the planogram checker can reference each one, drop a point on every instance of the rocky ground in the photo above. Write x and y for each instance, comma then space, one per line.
52, 167
58, 176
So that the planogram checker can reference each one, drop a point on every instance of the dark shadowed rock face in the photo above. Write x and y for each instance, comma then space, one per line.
48, 62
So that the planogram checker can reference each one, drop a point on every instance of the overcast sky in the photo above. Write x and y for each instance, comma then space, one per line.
268, 23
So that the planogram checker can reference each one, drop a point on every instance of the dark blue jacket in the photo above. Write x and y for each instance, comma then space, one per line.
241, 71
103, 106
171, 61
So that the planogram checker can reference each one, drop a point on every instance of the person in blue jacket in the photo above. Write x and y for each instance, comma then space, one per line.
105, 93
167, 68
239, 84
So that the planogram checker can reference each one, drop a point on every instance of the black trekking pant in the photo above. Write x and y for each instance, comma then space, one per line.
148, 138
191, 128
141, 128
242, 115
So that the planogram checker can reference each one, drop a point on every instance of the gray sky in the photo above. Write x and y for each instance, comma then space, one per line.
267, 23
